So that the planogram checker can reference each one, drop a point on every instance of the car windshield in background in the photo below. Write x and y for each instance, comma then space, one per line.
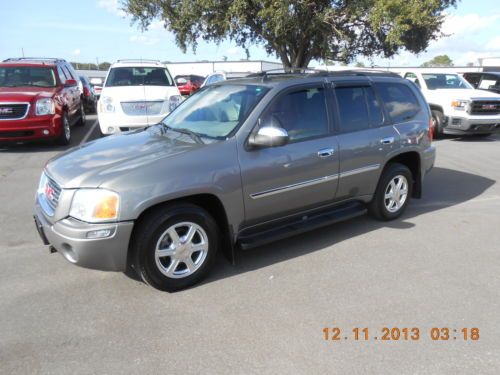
22, 76
216, 111
138, 76
445, 81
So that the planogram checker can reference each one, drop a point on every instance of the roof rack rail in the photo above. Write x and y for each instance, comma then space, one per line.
139, 61
265, 74
51, 59
357, 72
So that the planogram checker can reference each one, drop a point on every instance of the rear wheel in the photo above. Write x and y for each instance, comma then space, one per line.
65, 137
393, 193
437, 123
175, 246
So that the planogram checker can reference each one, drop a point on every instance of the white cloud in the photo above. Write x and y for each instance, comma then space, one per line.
233, 51
143, 39
112, 6
469, 23
76, 52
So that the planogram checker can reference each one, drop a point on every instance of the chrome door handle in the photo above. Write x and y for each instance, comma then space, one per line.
387, 140
326, 152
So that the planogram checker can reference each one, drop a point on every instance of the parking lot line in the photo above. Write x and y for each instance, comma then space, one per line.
92, 128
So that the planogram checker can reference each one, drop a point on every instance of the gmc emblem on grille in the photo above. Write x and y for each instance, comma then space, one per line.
489, 106
49, 193
6, 110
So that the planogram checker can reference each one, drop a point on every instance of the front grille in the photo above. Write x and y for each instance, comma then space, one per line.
485, 107
49, 192
143, 108
13, 111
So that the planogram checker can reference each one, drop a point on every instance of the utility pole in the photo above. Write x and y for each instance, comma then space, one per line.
22, 51
97, 61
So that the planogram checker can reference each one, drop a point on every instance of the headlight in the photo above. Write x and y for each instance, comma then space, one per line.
174, 101
459, 105
45, 106
106, 104
95, 205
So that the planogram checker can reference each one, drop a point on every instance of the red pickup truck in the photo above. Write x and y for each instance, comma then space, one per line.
39, 99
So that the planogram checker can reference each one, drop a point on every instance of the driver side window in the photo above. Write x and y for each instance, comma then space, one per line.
301, 113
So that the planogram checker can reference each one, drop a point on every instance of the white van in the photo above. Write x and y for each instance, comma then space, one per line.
136, 93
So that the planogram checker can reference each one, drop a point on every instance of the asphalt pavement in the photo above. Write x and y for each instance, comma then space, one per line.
436, 267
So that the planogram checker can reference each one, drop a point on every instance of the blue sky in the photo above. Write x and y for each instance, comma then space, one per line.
85, 30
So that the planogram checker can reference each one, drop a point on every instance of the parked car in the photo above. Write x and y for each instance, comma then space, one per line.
238, 164
489, 81
188, 84
457, 108
39, 99
136, 93
88, 95
221, 76
96, 84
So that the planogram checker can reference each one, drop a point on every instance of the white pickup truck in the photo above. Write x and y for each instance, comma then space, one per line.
457, 108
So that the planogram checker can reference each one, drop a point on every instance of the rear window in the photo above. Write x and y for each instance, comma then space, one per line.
358, 108
399, 100
138, 76
25, 76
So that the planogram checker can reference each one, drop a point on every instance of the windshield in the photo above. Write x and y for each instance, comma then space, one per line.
22, 76
445, 81
217, 110
138, 76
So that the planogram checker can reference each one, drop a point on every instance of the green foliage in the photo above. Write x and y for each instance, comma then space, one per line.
300, 30
441, 60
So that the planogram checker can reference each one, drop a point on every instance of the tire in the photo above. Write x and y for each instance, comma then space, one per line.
437, 120
82, 119
385, 208
166, 229
64, 138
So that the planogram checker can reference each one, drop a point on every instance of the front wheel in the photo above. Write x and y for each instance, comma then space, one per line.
393, 193
175, 246
437, 124
82, 119
65, 137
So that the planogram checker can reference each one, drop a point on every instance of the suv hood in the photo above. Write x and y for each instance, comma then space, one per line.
134, 93
95, 162
25, 94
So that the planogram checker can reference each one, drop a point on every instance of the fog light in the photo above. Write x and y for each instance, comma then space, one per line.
101, 233
45, 132
111, 129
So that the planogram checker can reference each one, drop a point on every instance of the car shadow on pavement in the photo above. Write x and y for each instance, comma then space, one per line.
442, 188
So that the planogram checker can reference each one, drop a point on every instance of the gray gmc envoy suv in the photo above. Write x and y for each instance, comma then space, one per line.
238, 164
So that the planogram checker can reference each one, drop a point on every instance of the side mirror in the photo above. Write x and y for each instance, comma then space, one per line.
269, 136
70, 83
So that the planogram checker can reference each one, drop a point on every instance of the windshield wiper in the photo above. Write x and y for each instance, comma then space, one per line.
195, 136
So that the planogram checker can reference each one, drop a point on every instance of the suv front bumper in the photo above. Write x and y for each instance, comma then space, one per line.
69, 237
472, 125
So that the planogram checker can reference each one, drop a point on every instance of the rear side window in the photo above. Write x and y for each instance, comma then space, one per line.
301, 113
399, 100
358, 108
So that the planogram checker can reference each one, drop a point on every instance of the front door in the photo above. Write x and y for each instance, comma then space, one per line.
302, 174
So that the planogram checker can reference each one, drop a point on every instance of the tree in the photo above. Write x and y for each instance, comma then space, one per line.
437, 61
298, 31
104, 66
359, 64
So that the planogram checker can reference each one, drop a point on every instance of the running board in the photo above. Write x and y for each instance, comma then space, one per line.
300, 225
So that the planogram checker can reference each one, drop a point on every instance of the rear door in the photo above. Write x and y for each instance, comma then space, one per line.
301, 174
365, 138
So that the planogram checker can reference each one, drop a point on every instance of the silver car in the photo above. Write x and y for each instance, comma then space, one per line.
238, 164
